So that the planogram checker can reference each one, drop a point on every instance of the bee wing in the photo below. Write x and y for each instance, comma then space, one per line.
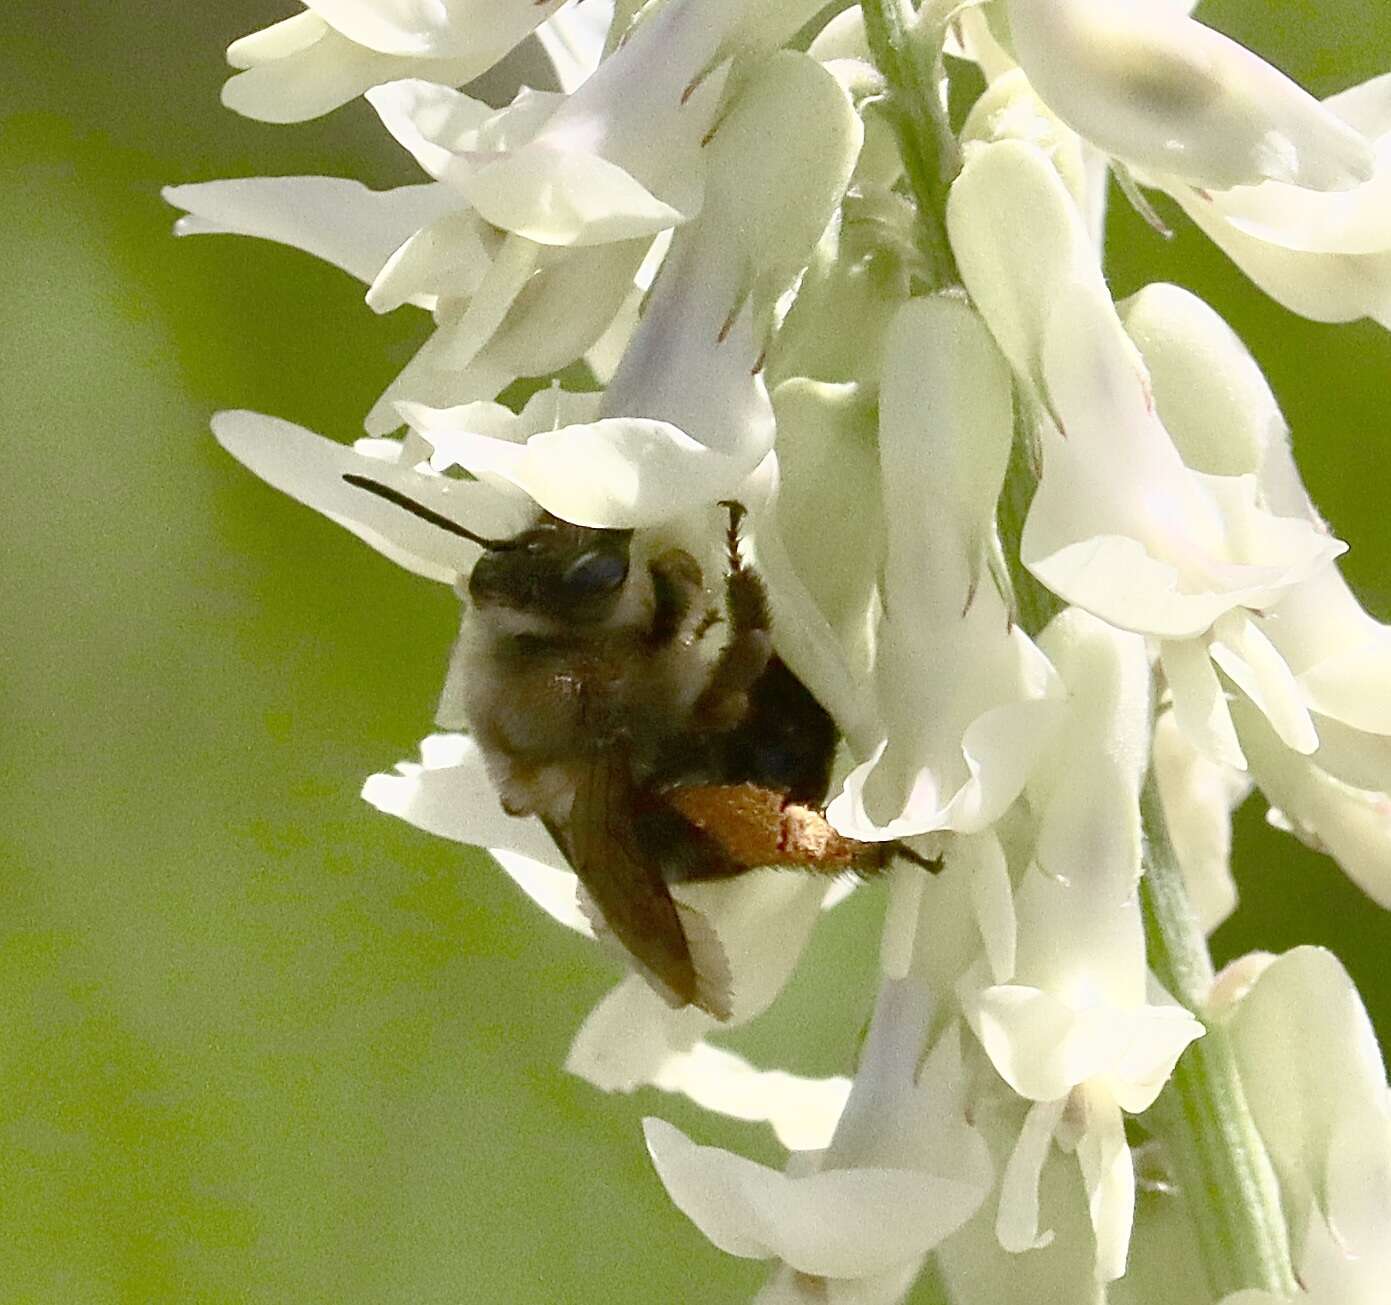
672, 945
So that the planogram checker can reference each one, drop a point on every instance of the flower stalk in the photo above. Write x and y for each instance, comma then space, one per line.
930, 158
1219, 1159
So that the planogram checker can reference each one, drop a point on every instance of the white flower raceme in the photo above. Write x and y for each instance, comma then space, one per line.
1317, 1089
315, 61
1336, 659
1119, 525
1157, 90
903, 1171
1078, 1029
965, 695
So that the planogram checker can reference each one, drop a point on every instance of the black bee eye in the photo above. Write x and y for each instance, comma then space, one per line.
595, 573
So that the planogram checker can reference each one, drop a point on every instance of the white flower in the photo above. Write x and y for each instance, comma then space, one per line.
1119, 525
1334, 660
1157, 90
1077, 1029
903, 1171
311, 63
964, 694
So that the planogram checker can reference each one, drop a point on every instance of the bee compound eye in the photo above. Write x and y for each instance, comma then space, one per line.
595, 573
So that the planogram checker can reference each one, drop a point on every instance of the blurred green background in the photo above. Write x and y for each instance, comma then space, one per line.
261, 1043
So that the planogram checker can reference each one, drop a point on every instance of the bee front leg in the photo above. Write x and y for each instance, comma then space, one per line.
677, 583
724, 701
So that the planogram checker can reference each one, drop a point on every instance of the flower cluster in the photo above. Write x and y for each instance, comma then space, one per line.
1045, 558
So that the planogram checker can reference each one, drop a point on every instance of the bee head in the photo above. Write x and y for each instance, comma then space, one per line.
571, 574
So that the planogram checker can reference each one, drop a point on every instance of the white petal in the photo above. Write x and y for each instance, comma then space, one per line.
779, 165
1321, 287
559, 198
573, 40
1309, 1060
484, 29
316, 78
802, 1111
826, 452
278, 41
438, 125
1340, 654
1247, 655
1119, 526
1200, 702
1352, 824
311, 469
961, 741
1208, 389
617, 472
1016, 1222
1089, 831
339, 221
448, 257
993, 899
621, 156
841, 1223
1109, 1176
1153, 87
630, 1037
1199, 796
1344, 222
1020, 244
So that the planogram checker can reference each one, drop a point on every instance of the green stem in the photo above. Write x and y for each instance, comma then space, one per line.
1033, 606
930, 160
1219, 1159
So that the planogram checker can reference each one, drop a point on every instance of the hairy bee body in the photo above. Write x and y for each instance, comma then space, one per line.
646, 721
597, 681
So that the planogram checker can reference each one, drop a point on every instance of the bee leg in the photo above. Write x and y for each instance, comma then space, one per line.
676, 585
724, 701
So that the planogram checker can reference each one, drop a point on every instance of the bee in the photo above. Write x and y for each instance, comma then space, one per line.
585, 671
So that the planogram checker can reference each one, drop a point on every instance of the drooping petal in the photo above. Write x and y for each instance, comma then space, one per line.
448, 793
762, 921
843, 1223
1017, 1219
337, 220
1321, 287
1156, 89
311, 469
1109, 1176
1353, 825
1199, 796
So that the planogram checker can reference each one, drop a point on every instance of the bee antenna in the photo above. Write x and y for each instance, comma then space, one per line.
425, 514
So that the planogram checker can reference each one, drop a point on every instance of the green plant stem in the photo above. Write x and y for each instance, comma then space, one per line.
1219, 1159
929, 150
